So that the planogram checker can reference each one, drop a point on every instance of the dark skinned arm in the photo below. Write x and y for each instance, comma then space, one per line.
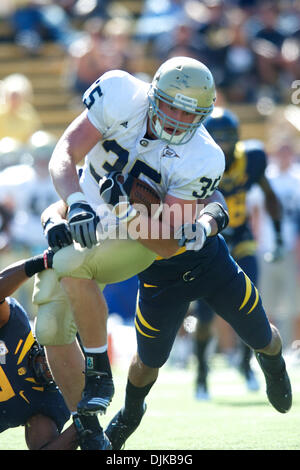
274, 209
41, 434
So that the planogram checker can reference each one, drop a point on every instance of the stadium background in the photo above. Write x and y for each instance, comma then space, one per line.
60, 47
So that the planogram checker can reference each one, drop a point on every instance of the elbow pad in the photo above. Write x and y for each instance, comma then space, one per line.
219, 214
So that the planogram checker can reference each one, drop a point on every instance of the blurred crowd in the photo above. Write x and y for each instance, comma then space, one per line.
252, 48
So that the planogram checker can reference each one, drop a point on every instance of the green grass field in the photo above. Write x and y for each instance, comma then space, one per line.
234, 419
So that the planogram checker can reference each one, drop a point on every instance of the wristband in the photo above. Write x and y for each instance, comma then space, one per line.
76, 197
218, 213
36, 264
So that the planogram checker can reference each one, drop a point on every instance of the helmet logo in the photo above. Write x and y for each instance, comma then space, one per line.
182, 101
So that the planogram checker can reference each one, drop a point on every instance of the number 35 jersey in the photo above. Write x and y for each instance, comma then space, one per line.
117, 105
246, 170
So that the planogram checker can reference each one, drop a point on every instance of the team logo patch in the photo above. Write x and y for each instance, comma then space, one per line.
22, 371
169, 153
89, 363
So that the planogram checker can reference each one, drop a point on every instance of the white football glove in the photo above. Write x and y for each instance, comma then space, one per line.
192, 236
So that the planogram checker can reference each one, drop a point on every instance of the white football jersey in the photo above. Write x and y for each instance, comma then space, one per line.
118, 107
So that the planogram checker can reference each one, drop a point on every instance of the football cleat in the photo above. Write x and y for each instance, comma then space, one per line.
97, 394
120, 429
278, 387
90, 434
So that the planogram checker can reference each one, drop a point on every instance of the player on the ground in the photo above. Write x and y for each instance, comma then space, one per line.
28, 395
245, 166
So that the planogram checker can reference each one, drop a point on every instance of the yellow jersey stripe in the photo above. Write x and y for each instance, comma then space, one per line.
27, 345
6, 390
246, 248
248, 291
140, 331
143, 321
18, 346
148, 285
255, 302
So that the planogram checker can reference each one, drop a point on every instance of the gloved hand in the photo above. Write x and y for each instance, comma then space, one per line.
192, 236
83, 221
115, 190
58, 234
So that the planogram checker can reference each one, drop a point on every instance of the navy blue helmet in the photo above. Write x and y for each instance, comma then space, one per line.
223, 126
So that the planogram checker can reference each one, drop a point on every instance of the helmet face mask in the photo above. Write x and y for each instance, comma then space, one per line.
185, 84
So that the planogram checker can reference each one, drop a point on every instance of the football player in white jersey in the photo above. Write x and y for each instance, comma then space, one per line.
151, 132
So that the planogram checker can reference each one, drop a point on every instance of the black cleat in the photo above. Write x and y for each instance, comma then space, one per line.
279, 391
97, 394
90, 434
119, 430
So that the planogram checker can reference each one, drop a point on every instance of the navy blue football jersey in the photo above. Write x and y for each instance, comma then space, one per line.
247, 169
21, 396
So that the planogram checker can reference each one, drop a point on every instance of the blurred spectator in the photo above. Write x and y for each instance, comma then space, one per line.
267, 45
18, 117
27, 190
34, 21
106, 46
159, 17
183, 40
240, 78
279, 281
5, 220
83, 9
12, 152
85, 59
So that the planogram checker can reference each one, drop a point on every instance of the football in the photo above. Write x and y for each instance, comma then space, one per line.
142, 193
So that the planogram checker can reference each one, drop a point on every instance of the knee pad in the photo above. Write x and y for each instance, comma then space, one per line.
54, 323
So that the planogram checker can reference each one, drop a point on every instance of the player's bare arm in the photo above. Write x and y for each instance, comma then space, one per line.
272, 202
78, 139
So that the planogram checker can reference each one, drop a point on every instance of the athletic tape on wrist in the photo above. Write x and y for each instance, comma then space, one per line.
76, 197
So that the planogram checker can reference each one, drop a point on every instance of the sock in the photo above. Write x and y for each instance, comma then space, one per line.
272, 364
97, 362
201, 347
246, 354
134, 400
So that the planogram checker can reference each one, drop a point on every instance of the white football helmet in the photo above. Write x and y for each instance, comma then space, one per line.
186, 84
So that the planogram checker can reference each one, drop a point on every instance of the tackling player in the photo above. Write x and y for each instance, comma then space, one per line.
245, 166
28, 395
